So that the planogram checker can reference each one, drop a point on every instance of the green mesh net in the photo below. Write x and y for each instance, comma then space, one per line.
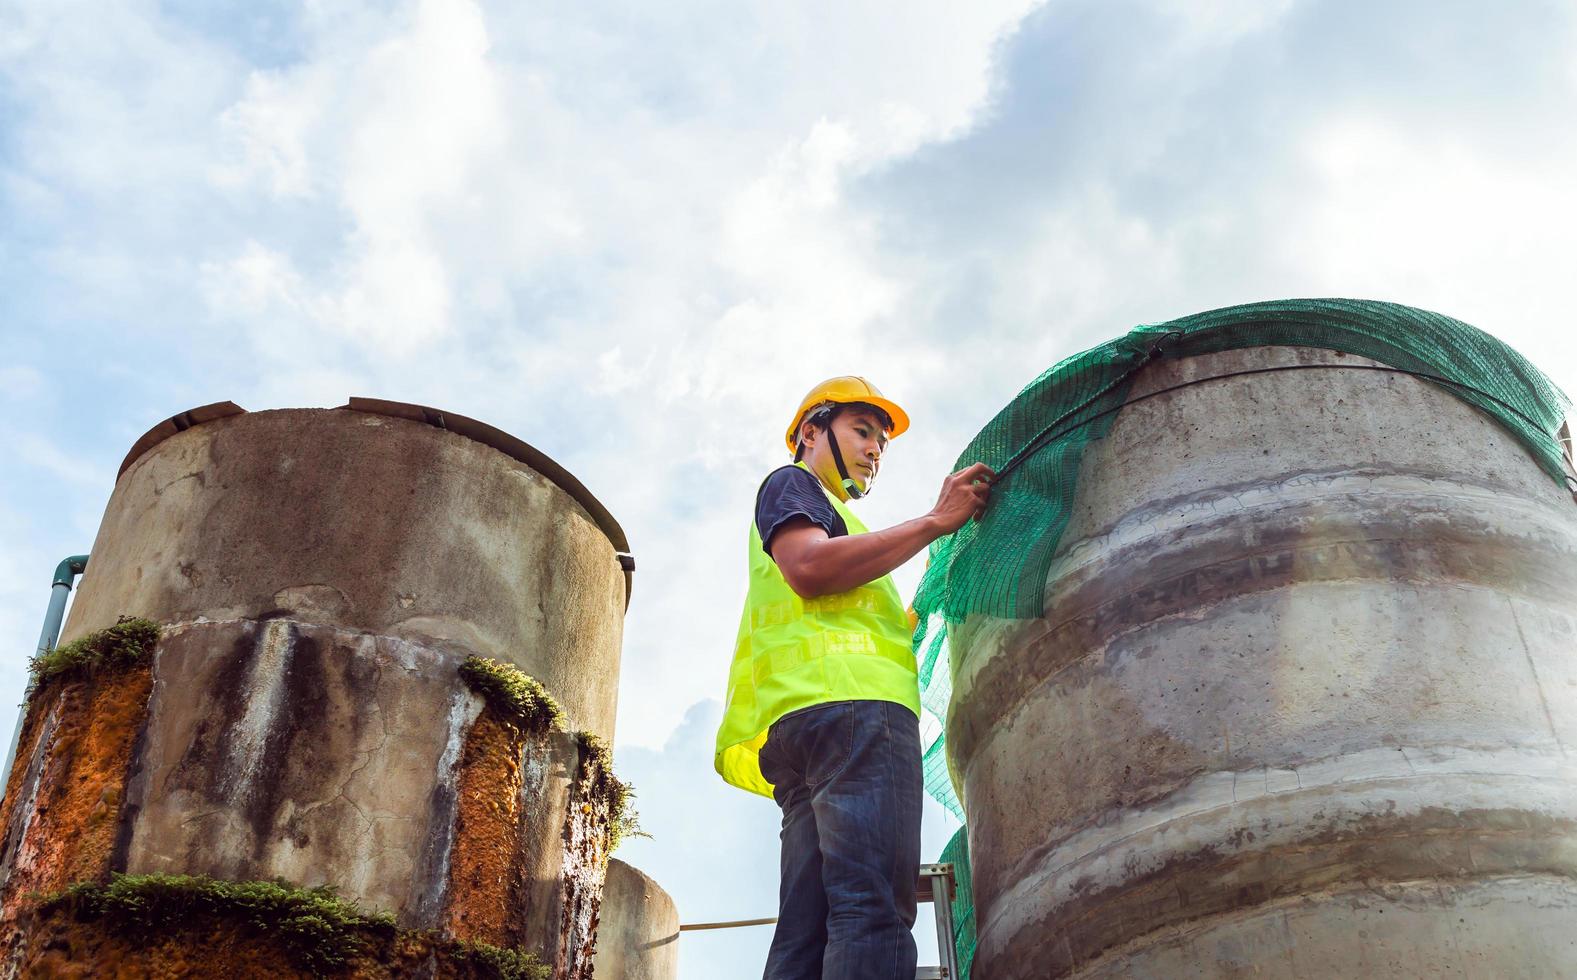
956, 853
998, 566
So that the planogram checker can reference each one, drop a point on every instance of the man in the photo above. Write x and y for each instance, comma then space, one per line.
823, 703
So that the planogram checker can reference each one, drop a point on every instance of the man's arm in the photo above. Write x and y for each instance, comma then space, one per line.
814, 564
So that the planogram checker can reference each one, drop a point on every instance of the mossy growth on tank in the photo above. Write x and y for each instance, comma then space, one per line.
507, 964
517, 697
319, 929
320, 932
127, 642
596, 772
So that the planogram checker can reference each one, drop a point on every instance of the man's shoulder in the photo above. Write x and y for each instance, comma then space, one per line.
792, 486
790, 476
793, 491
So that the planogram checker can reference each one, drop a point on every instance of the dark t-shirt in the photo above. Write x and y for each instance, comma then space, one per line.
790, 492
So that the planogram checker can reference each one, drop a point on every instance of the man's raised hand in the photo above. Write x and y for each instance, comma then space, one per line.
964, 495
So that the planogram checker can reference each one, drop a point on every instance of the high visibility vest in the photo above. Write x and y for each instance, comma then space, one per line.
793, 653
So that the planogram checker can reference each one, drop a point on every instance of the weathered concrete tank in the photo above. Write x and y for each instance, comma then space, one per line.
324, 581
638, 937
1302, 702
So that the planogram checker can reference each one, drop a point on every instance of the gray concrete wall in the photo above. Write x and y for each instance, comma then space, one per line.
1302, 700
292, 750
365, 522
638, 936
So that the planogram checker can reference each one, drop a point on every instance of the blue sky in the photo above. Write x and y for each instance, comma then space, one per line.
634, 234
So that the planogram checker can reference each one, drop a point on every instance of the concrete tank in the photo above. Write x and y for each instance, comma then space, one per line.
320, 577
1302, 702
638, 936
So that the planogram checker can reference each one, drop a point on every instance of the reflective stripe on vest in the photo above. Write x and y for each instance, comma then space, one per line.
794, 653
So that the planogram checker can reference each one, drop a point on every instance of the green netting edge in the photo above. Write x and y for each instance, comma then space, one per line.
998, 566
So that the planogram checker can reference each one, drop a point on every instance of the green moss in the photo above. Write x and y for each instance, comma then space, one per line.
519, 698
321, 932
596, 771
624, 822
128, 641
507, 964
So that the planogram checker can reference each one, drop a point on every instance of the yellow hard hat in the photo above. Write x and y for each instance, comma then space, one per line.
845, 391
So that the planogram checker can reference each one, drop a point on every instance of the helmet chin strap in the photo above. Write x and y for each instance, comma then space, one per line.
824, 417
849, 486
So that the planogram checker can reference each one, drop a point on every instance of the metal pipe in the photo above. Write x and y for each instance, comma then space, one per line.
65, 574
60, 589
692, 926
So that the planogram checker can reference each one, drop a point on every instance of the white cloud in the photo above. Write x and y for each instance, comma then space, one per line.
1218, 23
258, 281
460, 165
392, 135
267, 134
1442, 222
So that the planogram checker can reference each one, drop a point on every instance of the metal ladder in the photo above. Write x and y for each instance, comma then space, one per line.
935, 886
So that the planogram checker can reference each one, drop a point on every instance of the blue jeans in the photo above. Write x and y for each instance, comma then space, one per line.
847, 776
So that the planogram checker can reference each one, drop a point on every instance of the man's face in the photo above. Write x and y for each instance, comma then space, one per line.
862, 439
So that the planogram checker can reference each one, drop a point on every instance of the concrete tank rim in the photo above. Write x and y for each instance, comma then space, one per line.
642, 874
490, 436
179, 422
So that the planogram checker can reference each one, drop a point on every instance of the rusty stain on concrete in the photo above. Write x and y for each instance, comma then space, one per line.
65, 794
504, 841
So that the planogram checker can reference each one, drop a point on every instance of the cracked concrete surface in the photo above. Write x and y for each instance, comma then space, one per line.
298, 751
1301, 700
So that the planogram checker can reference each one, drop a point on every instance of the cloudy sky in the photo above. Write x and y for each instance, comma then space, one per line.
633, 234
